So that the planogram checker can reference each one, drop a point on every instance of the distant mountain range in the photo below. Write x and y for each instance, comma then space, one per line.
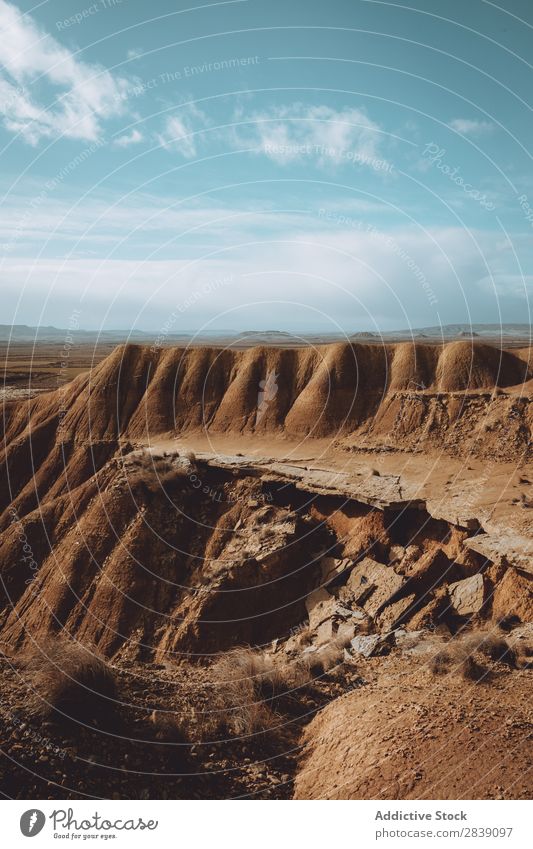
23, 333
448, 331
48, 333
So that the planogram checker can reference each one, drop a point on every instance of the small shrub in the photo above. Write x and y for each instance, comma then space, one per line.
463, 653
507, 623
70, 681
239, 677
470, 669
305, 637
498, 650
440, 663
323, 661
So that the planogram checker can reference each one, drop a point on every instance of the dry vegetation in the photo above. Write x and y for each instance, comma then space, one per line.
251, 685
468, 654
69, 681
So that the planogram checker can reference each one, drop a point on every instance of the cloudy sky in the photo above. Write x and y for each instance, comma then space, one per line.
304, 165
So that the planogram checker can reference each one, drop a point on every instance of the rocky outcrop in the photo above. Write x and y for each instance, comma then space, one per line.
405, 395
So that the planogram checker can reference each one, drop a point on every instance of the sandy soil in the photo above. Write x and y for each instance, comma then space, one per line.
409, 734
486, 489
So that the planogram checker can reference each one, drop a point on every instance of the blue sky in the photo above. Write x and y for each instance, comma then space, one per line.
342, 165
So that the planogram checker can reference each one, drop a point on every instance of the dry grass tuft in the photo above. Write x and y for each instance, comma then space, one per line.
495, 648
456, 660
70, 681
440, 663
250, 683
507, 623
326, 660
471, 670
241, 677
465, 654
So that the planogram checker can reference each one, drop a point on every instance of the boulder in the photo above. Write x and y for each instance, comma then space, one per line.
467, 596
373, 584
521, 639
332, 568
344, 595
430, 615
504, 545
325, 610
412, 554
320, 606
366, 646
395, 613
370, 645
324, 632
430, 569
396, 554
416, 642
346, 631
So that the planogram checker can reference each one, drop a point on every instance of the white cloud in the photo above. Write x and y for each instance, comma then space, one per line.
397, 278
180, 131
285, 134
288, 133
467, 127
102, 220
128, 139
85, 94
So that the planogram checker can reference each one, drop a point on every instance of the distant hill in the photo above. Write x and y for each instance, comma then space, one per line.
23, 333
454, 331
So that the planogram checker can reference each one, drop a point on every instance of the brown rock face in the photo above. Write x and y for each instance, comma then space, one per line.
514, 596
358, 389
373, 584
118, 547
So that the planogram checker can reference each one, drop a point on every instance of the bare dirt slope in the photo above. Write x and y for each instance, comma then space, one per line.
132, 549
461, 396
411, 735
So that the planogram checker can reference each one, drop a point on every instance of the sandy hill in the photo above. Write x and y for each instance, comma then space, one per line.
93, 513
411, 735
453, 396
